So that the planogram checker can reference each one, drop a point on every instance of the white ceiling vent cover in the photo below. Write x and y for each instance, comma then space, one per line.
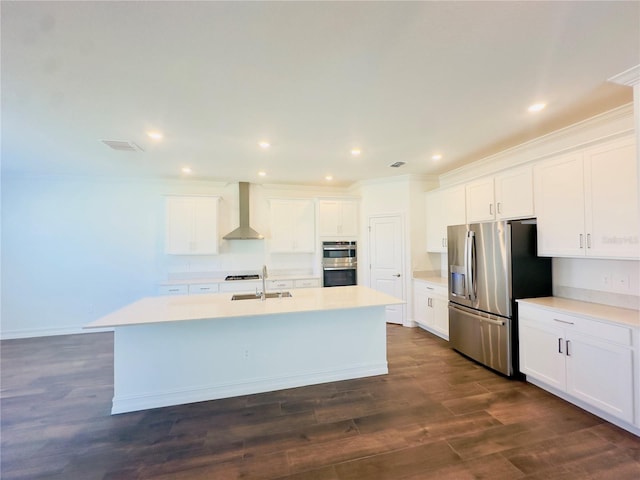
123, 146
397, 164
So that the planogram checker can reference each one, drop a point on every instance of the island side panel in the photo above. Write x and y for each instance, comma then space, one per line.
182, 362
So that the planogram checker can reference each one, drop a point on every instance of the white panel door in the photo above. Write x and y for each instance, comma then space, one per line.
386, 242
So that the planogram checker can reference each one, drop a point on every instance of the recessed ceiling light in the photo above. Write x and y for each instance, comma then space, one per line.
328, 178
155, 135
536, 107
355, 152
186, 170
264, 144
437, 156
262, 173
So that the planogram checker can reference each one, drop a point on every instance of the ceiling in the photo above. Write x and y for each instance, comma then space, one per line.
399, 80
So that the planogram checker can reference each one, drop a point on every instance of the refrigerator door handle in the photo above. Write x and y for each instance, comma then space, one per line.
469, 261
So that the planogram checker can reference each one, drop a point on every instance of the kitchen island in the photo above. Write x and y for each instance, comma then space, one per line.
171, 350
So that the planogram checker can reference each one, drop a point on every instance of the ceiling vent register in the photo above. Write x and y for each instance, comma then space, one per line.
123, 146
397, 164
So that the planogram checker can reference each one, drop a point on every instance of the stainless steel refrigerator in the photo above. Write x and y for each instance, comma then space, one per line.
490, 266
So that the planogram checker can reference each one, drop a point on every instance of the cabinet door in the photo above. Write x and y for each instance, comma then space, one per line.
601, 374
330, 213
436, 228
559, 205
304, 228
611, 192
542, 352
205, 226
454, 206
441, 315
514, 194
179, 221
420, 301
480, 205
349, 220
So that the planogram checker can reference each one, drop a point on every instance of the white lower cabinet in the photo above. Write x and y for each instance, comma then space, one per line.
589, 360
306, 283
431, 307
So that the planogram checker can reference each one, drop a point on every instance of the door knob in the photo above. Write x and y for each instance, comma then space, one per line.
397, 275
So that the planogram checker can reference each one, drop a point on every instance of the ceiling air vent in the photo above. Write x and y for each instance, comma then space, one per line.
397, 164
123, 146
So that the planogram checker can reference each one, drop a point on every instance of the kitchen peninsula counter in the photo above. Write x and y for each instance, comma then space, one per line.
171, 350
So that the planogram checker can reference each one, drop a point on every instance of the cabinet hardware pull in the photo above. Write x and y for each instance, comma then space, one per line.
581, 241
174, 290
563, 321
500, 323
499, 207
588, 240
429, 288
396, 275
560, 345
491, 209
567, 347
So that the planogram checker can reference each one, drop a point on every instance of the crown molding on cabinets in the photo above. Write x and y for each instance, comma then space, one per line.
608, 125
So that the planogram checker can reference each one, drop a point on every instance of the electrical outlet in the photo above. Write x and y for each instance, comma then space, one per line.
606, 281
621, 282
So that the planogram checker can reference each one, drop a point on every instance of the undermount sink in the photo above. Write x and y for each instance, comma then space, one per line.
253, 296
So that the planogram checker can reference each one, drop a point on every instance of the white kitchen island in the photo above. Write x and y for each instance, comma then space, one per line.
171, 350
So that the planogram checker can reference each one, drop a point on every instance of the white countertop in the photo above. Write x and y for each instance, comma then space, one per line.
430, 278
596, 311
194, 281
178, 308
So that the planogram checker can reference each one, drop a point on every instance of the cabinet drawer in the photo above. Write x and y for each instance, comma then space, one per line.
619, 334
240, 286
433, 289
307, 283
271, 284
173, 290
203, 288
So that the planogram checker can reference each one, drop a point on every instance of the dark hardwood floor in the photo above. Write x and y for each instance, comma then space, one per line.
436, 415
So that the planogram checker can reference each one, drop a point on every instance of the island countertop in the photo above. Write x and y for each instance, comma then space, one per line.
180, 308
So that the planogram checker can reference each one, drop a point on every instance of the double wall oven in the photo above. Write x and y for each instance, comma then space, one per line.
339, 263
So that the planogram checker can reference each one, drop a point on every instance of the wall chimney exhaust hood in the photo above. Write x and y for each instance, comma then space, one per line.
244, 231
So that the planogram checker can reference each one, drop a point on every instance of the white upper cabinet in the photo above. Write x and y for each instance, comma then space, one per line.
191, 225
480, 201
514, 194
587, 202
292, 225
444, 207
504, 196
611, 200
338, 218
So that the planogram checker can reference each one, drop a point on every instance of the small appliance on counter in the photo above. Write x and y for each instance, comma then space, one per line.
490, 266
339, 263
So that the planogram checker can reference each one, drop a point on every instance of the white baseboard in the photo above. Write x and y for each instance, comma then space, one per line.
164, 399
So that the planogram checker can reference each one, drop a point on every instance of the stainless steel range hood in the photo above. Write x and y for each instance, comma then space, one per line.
244, 231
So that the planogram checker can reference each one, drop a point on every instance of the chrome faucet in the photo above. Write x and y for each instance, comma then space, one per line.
264, 283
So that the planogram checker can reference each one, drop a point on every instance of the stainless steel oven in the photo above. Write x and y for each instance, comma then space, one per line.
339, 263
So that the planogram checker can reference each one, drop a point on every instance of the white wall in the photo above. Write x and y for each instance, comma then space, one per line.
612, 282
403, 195
76, 248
